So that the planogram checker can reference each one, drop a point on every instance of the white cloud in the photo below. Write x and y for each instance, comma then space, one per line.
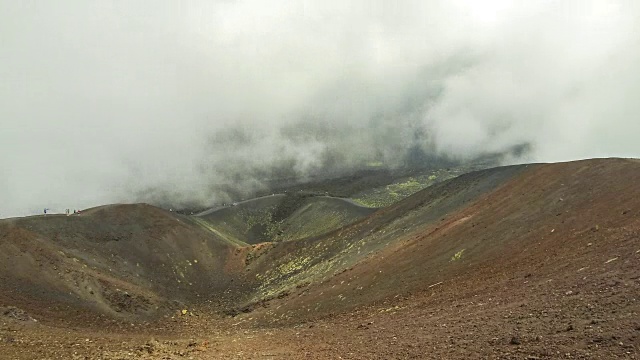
100, 100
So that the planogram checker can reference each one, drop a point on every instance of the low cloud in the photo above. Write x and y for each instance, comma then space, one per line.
105, 102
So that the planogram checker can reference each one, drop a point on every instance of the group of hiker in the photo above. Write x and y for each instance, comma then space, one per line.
66, 211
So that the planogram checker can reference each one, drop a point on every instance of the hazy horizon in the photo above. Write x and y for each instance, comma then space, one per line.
104, 102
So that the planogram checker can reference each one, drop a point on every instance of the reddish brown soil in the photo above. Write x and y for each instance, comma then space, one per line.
550, 269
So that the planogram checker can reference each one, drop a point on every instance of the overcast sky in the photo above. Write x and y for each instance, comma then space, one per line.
101, 101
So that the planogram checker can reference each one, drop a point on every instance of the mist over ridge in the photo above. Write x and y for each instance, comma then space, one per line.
107, 102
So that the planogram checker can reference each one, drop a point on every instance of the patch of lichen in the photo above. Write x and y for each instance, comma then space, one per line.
289, 275
255, 217
298, 269
387, 195
263, 219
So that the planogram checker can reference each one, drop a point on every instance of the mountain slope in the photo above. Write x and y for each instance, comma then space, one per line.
121, 260
527, 261
520, 220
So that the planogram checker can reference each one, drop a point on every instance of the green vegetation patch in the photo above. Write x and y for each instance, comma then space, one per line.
457, 256
392, 193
